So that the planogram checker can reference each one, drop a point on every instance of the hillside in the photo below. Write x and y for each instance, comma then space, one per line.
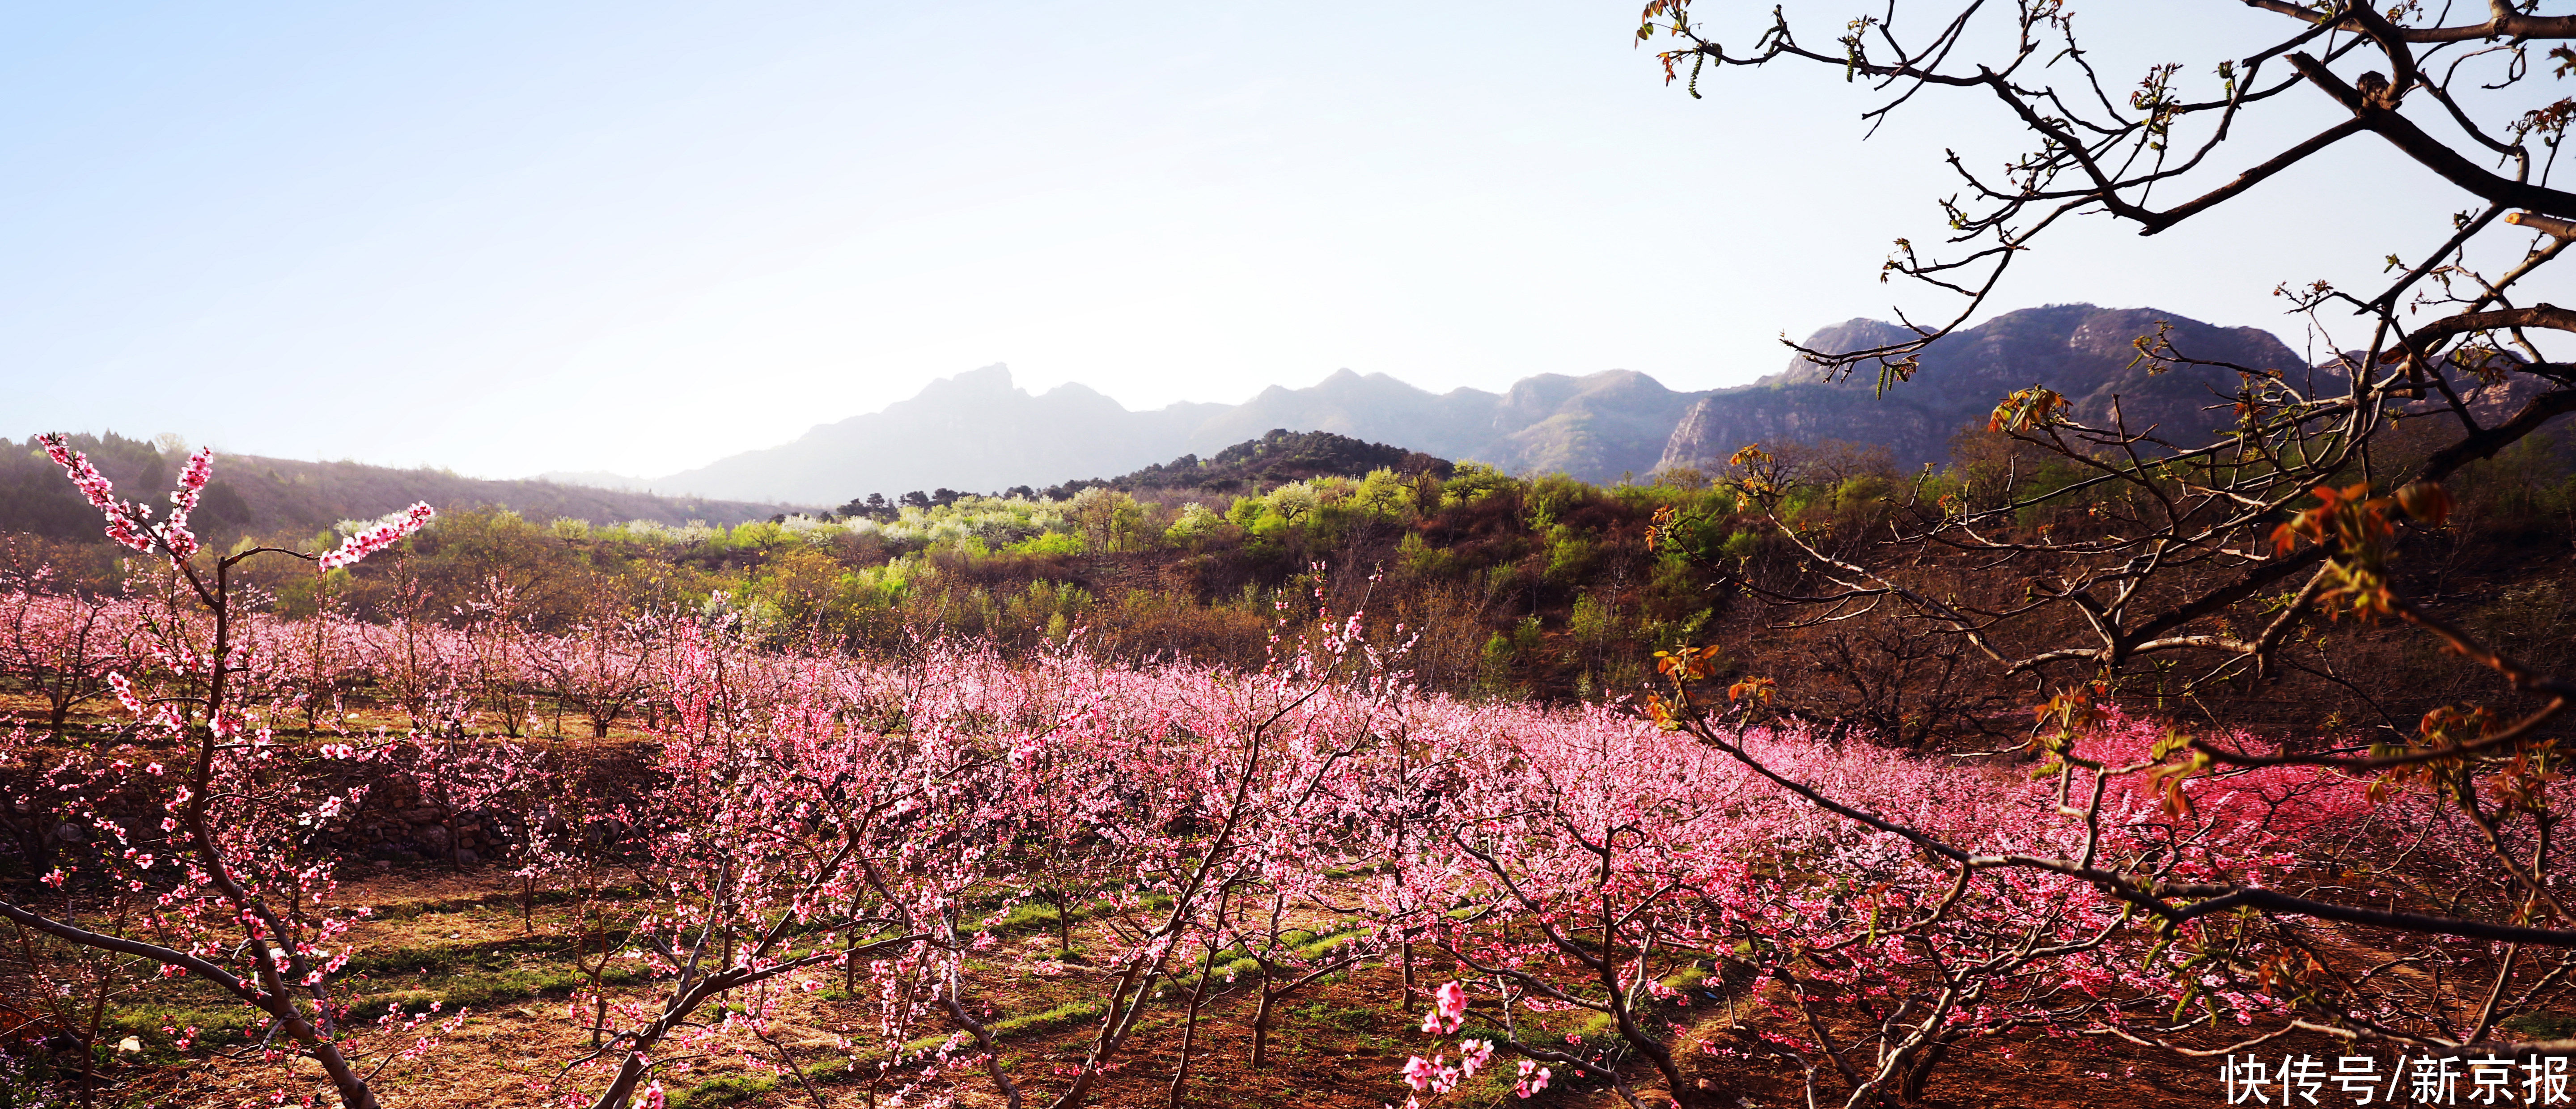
978, 430
255, 495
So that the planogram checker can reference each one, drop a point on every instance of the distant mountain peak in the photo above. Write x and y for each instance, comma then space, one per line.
993, 380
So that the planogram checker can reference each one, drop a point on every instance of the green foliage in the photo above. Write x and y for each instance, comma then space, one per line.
1108, 521
1383, 493
1194, 524
1416, 556
1594, 621
1551, 497
1474, 481
1571, 556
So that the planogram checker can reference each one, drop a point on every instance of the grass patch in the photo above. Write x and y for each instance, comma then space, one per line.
2551, 1026
224, 1025
509, 900
1029, 916
1069, 1013
1342, 1017
436, 958
716, 1092
1040, 916
1232, 962
484, 991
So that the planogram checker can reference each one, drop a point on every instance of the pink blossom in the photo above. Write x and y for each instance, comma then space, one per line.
1448, 1009
95, 488
125, 693
192, 480
1430, 1074
1417, 1071
1533, 1079
384, 534
1474, 1054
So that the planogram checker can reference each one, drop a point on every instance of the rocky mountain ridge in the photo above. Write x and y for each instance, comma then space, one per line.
2089, 354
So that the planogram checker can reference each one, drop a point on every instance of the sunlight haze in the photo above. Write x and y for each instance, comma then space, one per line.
515, 238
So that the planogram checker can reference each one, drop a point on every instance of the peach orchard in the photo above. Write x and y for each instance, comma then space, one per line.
1616, 896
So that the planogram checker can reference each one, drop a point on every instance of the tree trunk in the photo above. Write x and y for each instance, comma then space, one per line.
1190, 1027
1261, 1020
1410, 991
1918, 1073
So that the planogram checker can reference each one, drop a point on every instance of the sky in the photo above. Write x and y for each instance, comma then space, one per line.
507, 238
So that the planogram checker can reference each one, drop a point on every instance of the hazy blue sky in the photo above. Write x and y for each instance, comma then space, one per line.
637, 236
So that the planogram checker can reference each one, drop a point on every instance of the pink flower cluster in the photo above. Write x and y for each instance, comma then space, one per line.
123, 518
183, 500
129, 523
379, 537
1448, 1010
1533, 1079
1434, 1075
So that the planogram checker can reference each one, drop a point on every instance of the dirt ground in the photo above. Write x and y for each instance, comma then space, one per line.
462, 939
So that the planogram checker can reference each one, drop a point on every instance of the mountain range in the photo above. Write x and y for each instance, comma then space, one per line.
978, 430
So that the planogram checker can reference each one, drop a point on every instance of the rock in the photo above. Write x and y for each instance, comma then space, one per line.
465, 856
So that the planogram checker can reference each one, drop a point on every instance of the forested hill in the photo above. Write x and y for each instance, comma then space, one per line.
250, 494
1253, 466
1277, 458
